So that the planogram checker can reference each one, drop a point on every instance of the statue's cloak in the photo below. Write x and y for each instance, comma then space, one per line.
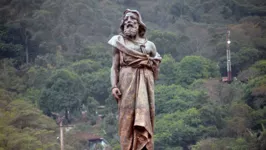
137, 104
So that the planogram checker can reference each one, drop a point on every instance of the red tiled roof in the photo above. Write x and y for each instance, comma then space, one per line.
224, 79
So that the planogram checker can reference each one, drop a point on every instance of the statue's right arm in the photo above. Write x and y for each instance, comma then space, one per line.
115, 68
115, 74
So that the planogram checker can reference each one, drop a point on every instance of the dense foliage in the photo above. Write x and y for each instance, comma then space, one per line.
54, 59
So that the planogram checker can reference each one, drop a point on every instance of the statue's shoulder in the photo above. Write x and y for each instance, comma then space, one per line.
116, 38
151, 44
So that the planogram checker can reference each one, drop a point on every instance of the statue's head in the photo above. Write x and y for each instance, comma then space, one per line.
132, 25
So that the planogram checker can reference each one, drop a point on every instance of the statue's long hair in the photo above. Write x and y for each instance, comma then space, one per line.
142, 26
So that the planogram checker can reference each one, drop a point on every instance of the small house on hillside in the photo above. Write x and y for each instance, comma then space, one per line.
95, 142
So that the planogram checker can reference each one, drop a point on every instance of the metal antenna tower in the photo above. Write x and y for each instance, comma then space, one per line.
228, 55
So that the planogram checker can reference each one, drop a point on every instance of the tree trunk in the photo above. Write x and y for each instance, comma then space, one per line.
26, 48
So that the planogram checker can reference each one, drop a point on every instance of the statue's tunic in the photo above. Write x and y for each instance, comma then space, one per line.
136, 106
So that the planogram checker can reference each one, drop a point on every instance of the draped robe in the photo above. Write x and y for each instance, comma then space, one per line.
137, 104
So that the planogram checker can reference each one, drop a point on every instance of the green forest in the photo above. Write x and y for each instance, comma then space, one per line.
54, 59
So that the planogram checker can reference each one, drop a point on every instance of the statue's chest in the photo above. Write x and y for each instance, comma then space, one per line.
145, 48
133, 46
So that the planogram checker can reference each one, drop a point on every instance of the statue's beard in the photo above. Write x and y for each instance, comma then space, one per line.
130, 31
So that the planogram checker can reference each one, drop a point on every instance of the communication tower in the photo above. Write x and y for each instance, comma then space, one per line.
228, 57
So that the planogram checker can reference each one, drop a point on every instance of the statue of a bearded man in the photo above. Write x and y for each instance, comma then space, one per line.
135, 67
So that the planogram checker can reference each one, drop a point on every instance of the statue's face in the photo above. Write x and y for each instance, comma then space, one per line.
131, 24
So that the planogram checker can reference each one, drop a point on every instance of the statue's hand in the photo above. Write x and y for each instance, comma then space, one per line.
116, 93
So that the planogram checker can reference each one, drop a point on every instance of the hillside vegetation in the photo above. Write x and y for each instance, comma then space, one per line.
54, 58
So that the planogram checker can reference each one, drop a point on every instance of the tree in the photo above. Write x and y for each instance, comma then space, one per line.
255, 92
85, 66
174, 97
192, 68
180, 128
97, 84
260, 66
10, 43
23, 126
9, 77
169, 43
168, 70
64, 91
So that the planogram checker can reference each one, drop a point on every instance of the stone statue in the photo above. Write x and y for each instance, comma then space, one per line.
135, 66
